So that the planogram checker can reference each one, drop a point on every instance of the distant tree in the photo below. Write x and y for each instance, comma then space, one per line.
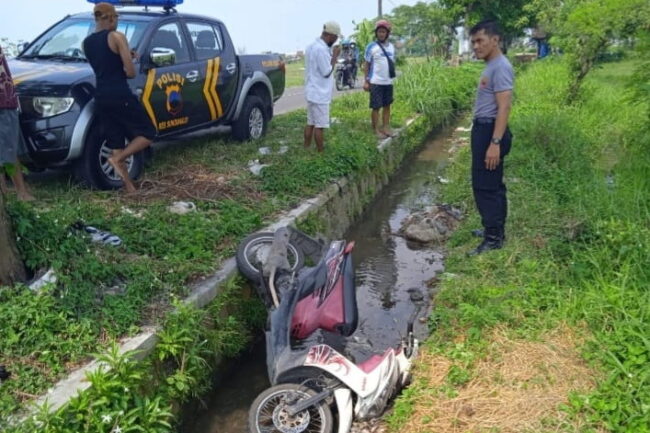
583, 29
514, 16
364, 33
426, 28
640, 82
10, 48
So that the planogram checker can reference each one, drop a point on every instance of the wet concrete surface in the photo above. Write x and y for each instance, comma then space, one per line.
393, 286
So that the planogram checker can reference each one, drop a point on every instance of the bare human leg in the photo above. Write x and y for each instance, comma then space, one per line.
385, 114
21, 187
117, 160
309, 133
320, 139
3, 183
374, 118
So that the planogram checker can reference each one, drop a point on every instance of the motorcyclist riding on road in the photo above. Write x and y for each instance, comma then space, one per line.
349, 54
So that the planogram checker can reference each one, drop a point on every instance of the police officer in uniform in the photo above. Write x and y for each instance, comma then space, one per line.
491, 138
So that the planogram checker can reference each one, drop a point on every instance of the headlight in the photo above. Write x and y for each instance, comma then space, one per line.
47, 107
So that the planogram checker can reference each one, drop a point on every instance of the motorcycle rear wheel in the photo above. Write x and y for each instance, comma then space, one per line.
252, 252
268, 415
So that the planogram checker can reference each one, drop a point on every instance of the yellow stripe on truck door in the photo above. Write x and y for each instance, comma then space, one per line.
206, 88
213, 86
146, 96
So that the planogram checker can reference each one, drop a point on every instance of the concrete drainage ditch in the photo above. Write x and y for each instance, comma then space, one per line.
394, 278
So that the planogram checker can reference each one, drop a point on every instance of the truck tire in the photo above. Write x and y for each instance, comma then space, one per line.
93, 169
253, 120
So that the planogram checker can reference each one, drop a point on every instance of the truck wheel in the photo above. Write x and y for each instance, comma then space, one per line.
93, 168
253, 120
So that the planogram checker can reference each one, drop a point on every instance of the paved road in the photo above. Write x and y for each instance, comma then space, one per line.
294, 98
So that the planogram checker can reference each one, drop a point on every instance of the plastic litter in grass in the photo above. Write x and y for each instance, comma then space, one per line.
48, 277
181, 207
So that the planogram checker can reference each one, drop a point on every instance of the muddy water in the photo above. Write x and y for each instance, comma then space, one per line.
392, 278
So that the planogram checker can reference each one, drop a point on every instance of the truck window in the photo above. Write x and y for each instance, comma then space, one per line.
66, 38
169, 36
206, 40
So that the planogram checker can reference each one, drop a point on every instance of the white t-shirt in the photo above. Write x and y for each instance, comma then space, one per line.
378, 71
318, 73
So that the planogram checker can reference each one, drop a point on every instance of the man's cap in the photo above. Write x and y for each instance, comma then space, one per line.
332, 27
104, 8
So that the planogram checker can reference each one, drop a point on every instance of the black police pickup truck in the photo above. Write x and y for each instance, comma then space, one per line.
189, 78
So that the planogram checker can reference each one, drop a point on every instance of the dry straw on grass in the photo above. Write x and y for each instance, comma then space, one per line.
191, 182
518, 386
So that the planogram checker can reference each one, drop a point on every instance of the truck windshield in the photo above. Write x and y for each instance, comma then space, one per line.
64, 41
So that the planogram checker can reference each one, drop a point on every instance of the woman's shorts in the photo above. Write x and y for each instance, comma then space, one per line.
124, 120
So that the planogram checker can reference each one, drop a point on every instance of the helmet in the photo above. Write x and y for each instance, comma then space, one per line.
383, 23
345, 42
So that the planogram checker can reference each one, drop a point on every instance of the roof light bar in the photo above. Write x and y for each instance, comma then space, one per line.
160, 3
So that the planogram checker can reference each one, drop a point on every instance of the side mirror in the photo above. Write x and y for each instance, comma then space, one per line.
21, 47
162, 56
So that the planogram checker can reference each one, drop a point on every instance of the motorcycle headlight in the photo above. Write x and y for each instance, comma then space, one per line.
47, 106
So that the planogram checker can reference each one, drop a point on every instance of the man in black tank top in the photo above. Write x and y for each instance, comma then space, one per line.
118, 109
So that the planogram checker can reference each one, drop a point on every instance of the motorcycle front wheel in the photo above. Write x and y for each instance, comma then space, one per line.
254, 249
339, 81
268, 412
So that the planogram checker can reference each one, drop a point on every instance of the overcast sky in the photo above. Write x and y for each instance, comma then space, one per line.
255, 25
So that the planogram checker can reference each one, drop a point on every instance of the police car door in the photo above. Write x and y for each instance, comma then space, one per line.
217, 66
173, 83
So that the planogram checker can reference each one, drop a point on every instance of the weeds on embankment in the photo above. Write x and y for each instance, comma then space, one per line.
106, 292
577, 256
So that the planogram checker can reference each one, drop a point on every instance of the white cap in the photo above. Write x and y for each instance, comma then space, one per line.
332, 27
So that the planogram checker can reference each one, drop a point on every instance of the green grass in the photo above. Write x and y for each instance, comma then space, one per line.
578, 242
295, 74
106, 292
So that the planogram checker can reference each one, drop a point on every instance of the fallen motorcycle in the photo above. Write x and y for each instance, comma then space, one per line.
309, 378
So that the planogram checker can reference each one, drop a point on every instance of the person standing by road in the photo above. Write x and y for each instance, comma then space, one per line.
491, 139
379, 71
320, 60
11, 137
119, 110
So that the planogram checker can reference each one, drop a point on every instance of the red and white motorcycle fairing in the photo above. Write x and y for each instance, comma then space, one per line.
374, 381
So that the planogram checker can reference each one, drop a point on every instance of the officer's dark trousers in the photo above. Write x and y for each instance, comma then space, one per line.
489, 189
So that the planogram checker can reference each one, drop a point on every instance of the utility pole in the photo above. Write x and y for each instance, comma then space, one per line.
379, 12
